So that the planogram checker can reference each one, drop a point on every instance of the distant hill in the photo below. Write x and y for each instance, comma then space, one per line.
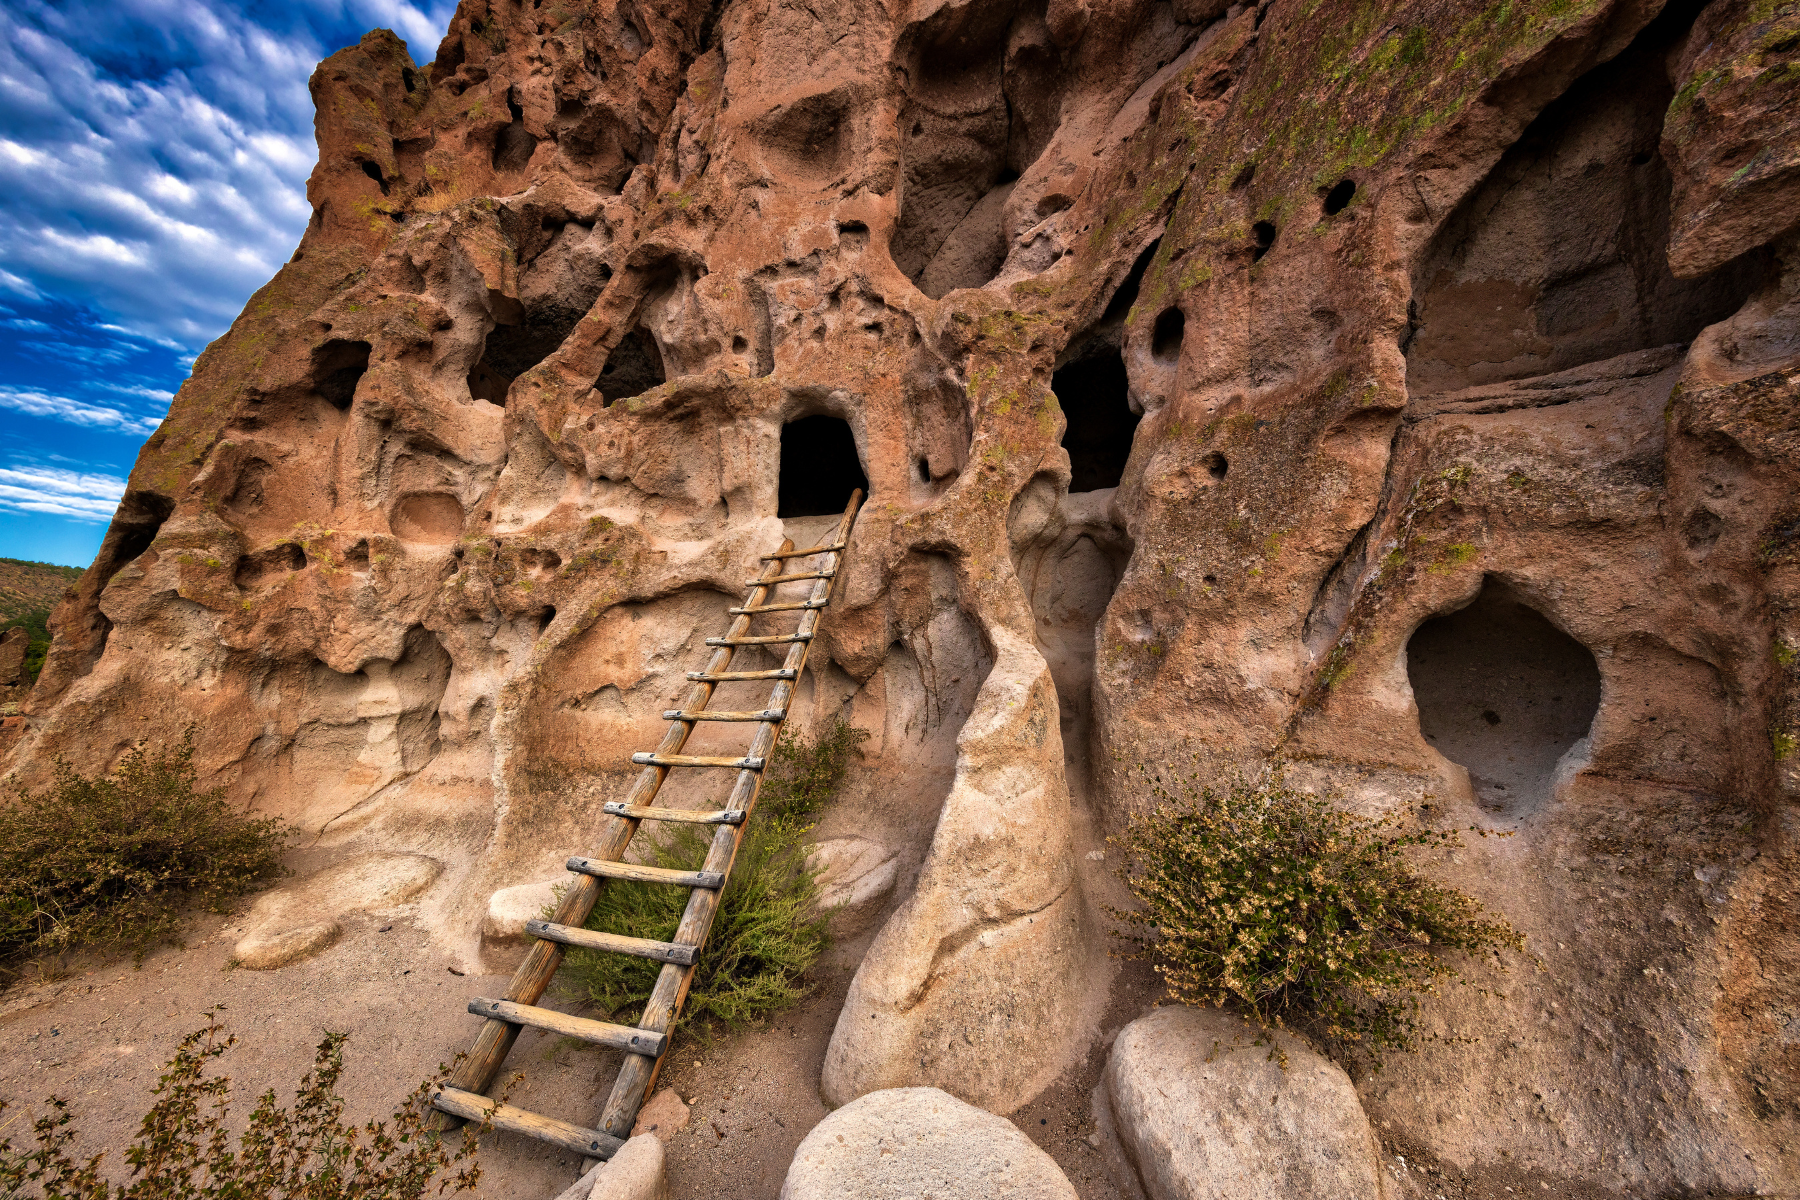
28, 591
30, 587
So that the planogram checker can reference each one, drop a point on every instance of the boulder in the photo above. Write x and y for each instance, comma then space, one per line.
909, 1143
509, 908
855, 876
1195, 1105
664, 1114
634, 1173
303, 918
977, 981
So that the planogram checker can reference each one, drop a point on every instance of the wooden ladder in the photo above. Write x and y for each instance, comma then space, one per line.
461, 1097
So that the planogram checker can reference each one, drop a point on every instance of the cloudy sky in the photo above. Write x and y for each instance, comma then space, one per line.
153, 164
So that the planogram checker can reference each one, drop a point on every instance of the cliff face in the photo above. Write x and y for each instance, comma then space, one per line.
1429, 377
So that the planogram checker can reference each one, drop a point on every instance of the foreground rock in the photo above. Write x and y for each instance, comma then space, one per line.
976, 981
297, 921
634, 1173
664, 1114
1195, 1108
909, 1143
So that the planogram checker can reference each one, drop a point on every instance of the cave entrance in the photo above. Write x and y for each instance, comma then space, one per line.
1504, 693
819, 468
1094, 395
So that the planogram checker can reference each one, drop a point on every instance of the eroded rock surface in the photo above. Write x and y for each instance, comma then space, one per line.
299, 919
1196, 1105
1200, 361
910, 1142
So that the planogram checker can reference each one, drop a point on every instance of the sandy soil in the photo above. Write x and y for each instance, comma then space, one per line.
100, 1036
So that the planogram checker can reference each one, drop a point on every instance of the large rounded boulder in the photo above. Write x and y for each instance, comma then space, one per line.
906, 1143
1197, 1104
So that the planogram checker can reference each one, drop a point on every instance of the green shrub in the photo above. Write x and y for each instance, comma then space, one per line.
768, 931
36, 624
109, 863
309, 1152
1300, 913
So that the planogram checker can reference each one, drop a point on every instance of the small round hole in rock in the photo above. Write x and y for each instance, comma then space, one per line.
1216, 466
1264, 233
1165, 338
1338, 198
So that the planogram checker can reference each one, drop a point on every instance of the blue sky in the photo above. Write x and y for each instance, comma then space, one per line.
153, 164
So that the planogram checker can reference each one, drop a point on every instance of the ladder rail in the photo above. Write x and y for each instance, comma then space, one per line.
637, 1074
461, 1096
477, 1070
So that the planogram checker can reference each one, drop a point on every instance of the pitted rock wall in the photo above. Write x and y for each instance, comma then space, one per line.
1399, 306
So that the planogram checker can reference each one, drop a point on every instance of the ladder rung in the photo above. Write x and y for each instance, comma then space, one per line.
789, 578
692, 816
740, 676
719, 714
639, 873
802, 553
695, 760
599, 1033
786, 606
779, 639
613, 943
472, 1107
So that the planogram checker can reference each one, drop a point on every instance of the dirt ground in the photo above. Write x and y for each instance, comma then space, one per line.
100, 1036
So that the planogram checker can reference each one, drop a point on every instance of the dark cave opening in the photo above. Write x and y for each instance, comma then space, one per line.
337, 367
1094, 395
1504, 693
634, 366
512, 350
1264, 232
1165, 337
1339, 197
819, 468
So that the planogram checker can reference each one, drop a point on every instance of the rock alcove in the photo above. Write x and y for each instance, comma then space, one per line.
1503, 693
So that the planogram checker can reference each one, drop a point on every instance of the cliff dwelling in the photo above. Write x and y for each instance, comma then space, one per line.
1386, 413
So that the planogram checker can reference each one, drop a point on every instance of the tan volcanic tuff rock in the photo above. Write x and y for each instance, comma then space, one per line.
856, 876
634, 1173
300, 919
1198, 1107
983, 960
1406, 390
912, 1142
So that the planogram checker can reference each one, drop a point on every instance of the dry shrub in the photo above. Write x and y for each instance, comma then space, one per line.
308, 1152
110, 863
768, 930
1276, 900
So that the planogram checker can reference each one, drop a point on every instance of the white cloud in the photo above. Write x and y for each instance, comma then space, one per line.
89, 496
77, 412
154, 153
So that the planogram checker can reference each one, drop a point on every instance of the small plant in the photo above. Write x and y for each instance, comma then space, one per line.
1308, 916
309, 1152
36, 624
768, 931
109, 863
